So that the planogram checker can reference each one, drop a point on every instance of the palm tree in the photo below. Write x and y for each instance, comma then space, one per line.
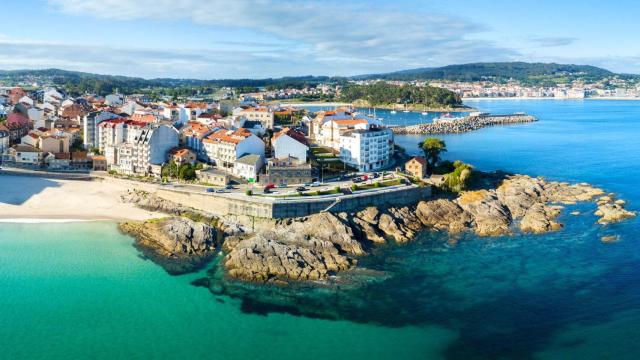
432, 148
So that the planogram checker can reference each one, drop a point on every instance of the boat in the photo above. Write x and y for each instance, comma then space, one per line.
424, 113
406, 111
393, 111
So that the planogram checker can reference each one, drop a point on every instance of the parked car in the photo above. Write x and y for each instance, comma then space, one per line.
229, 187
307, 184
282, 185
357, 180
346, 191
270, 186
220, 191
210, 190
301, 188
315, 184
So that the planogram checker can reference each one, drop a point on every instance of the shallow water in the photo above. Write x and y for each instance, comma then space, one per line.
80, 290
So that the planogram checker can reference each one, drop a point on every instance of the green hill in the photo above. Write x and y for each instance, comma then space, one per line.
500, 72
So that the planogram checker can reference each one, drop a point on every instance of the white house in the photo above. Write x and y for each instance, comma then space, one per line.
36, 115
67, 102
52, 96
25, 155
26, 100
4, 138
248, 166
290, 143
367, 149
130, 107
114, 99
224, 147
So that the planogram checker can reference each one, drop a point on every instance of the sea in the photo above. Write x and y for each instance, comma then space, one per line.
82, 291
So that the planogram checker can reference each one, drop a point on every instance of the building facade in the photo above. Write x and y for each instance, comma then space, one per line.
288, 171
367, 149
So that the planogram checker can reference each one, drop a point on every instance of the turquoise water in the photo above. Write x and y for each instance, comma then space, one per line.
72, 291
78, 291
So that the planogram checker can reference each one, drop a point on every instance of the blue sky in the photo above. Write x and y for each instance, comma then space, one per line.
272, 38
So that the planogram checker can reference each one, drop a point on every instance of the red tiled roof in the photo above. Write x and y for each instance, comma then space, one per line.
228, 136
17, 118
350, 122
179, 152
146, 118
296, 135
420, 159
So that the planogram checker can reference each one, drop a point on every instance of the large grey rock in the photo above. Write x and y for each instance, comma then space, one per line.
179, 245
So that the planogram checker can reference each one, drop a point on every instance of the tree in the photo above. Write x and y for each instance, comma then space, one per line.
432, 148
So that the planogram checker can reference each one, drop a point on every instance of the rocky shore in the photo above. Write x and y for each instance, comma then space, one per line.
469, 123
179, 245
317, 247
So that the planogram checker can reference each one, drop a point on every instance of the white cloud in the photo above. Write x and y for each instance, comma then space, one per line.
328, 37
553, 41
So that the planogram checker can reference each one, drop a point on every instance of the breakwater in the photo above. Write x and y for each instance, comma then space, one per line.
466, 124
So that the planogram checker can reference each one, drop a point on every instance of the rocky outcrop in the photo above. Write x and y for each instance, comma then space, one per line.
316, 247
490, 216
179, 245
443, 214
611, 210
539, 219
311, 248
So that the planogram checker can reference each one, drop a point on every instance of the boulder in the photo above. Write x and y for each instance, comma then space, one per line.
443, 214
178, 244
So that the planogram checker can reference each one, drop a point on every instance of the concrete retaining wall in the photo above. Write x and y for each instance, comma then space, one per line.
287, 208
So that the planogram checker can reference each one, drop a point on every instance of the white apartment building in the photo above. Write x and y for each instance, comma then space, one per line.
258, 113
144, 146
367, 148
224, 147
90, 126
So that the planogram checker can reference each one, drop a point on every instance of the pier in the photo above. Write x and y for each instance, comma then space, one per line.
466, 124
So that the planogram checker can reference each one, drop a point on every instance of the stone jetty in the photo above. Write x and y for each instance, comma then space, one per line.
468, 123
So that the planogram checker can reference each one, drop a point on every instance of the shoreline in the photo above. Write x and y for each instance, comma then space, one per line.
514, 98
47, 220
49, 200
381, 107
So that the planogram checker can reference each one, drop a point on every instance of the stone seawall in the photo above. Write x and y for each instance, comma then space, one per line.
351, 203
469, 123
260, 207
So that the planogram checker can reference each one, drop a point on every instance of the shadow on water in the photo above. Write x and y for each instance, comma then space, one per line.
16, 190
505, 297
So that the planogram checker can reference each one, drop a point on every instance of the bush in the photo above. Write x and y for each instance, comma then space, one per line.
376, 185
248, 192
337, 189
460, 178
354, 187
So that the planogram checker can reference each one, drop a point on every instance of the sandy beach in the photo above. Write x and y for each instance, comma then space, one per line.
36, 199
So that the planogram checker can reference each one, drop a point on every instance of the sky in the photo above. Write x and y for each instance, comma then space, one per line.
214, 39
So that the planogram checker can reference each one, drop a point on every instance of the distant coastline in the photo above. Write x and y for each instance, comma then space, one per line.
549, 98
